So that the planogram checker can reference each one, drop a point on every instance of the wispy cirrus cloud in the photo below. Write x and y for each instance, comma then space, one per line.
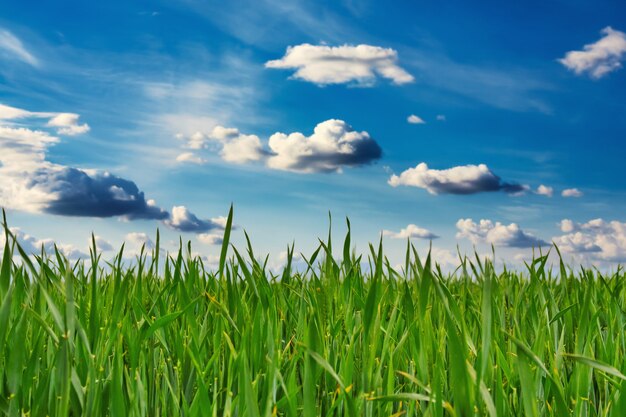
296, 19
513, 88
11, 47
65, 123
600, 58
466, 179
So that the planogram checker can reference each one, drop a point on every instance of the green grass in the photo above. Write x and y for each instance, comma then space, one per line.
167, 337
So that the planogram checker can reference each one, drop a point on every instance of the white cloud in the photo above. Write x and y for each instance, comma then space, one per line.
415, 120
31, 183
278, 263
211, 238
333, 145
67, 124
577, 242
220, 221
8, 112
190, 105
102, 244
197, 141
234, 146
237, 147
497, 234
467, 179
545, 190
33, 246
444, 258
139, 239
361, 64
441, 118
572, 192
11, 46
597, 240
599, 58
411, 231
184, 220
72, 252
190, 157
567, 226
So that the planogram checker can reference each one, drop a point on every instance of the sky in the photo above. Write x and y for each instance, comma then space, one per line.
456, 126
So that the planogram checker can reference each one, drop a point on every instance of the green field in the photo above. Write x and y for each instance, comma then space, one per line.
165, 336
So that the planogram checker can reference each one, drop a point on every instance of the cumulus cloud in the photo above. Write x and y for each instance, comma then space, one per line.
567, 226
598, 239
599, 58
191, 158
278, 263
75, 192
67, 124
184, 220
444, 258
415, 120
72, 192
102, 244
237, 147
197, 141
411, 231
577, 243
211, 238
497, 234
361, 64
572, 193
545, 190
139, 239
33, 246
33, 184
333, 145
234, 146
467, 179
12, 47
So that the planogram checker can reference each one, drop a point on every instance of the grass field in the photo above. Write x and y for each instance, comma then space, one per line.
163, 336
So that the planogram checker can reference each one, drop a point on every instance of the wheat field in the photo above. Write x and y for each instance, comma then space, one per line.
167, 336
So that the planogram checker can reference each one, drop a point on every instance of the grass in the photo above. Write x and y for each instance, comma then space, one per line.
167, 337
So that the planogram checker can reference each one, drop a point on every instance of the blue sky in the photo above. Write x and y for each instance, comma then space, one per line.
121, 117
